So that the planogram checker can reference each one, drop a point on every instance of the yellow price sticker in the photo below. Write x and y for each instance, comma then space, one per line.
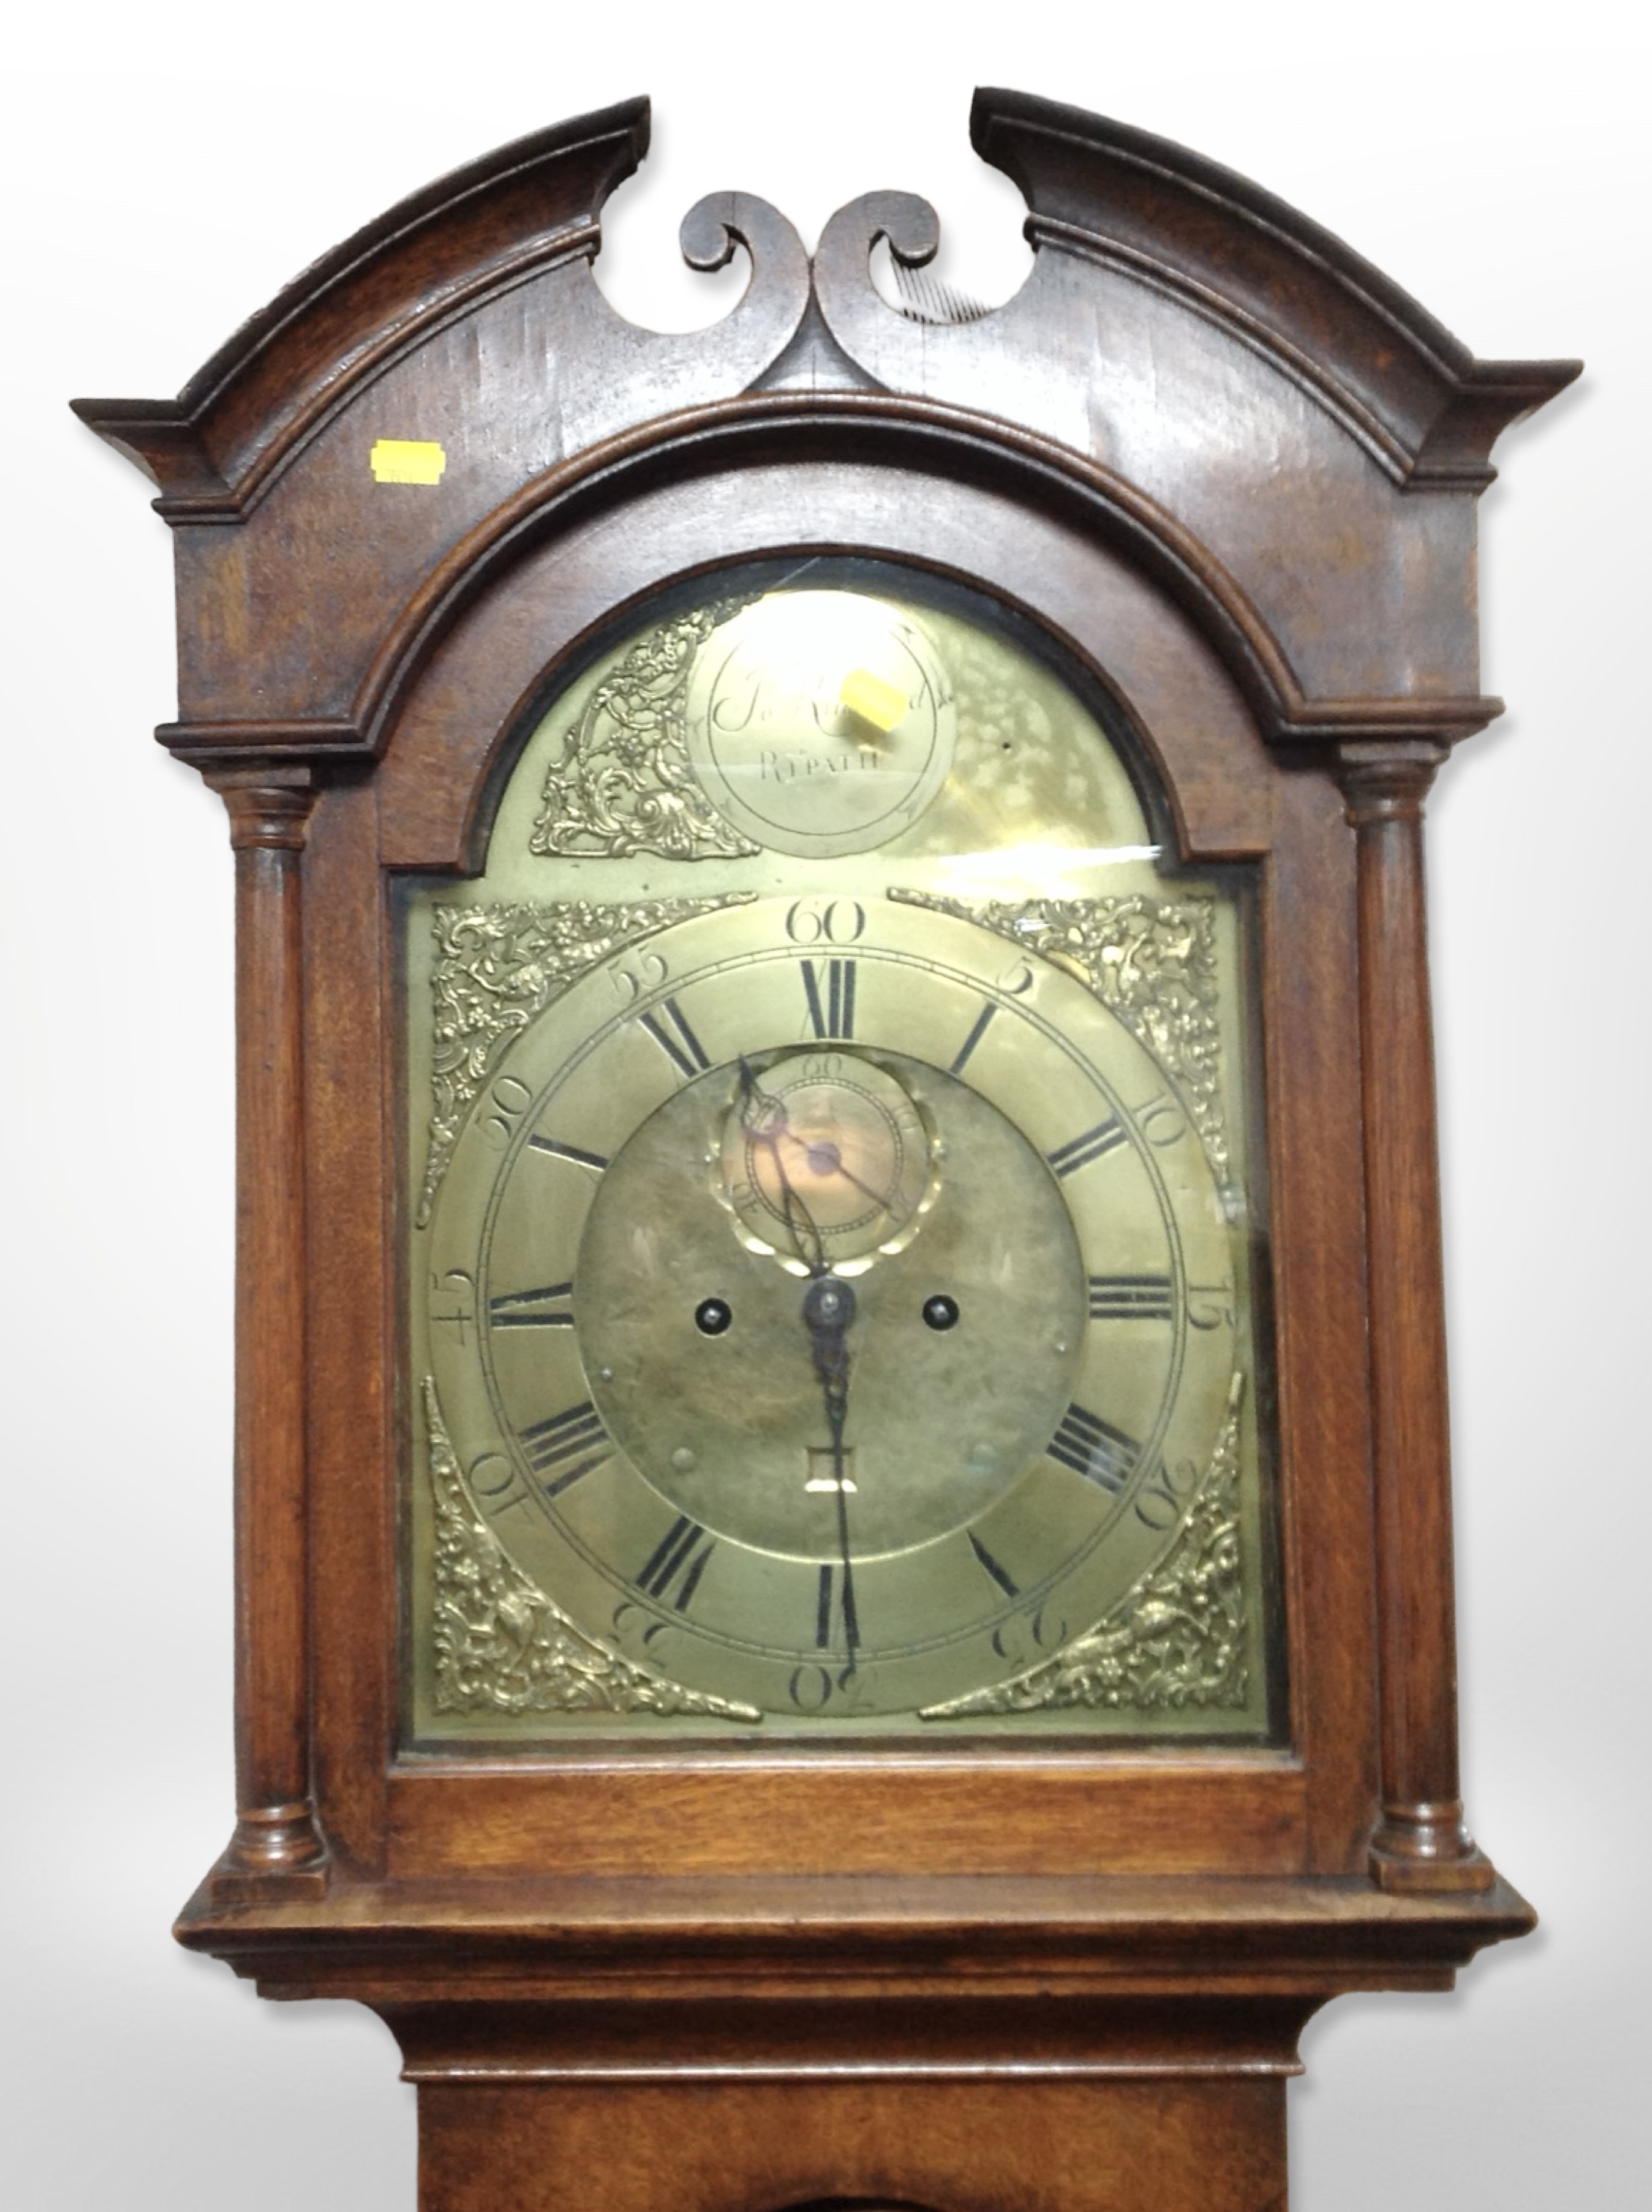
407, 460
881, 704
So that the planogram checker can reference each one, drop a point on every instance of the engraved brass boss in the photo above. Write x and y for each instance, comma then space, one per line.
820, 722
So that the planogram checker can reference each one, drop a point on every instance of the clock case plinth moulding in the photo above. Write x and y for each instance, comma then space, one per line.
1233, 470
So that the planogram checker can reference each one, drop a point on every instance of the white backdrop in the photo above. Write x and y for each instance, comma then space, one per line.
167, 169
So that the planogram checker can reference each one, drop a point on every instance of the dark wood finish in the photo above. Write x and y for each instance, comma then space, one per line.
818, 1943
1411, 394
1420, 1842
962, 2044
354, 1415
972, 1977
1099, 2143
276, 1838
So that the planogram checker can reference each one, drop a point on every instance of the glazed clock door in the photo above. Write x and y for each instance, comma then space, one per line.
836, 1248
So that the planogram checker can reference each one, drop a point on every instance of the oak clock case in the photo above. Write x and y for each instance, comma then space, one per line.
832, 1260
844, 1585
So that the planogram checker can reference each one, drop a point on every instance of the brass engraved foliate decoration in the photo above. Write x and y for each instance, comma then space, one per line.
496, 968
1150, 961
501, 1645
624, 782
1176, 1639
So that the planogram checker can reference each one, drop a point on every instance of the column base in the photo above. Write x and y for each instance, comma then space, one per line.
1425, 1848
276, 1850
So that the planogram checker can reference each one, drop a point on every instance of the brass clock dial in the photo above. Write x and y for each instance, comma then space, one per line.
834, 1302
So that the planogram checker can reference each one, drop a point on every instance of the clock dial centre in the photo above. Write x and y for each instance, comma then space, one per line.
727, 1422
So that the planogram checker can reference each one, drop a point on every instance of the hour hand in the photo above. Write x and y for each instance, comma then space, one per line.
765, 1120
828, 1310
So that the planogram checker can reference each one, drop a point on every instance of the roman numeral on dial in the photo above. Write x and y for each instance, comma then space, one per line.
1095, 1448
977, 1032
1094, 1144
1131, 1297
827, 1606
677, 1562
550, 1308
999, 1574
566, 1446
670, 1030
829, 990
595, 1161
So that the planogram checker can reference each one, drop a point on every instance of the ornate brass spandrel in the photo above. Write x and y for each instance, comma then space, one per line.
495, 968
1150, 961
1179, 1637
623, 782
499, 1645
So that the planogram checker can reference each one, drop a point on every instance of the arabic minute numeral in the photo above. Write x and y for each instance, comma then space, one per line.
1160, 1120
644, 972
510, 1099
1210, 1305
826, 921
1025, 1638
496, 1486
810, 1688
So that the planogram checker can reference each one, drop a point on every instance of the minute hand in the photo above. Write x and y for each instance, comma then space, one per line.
828, 1310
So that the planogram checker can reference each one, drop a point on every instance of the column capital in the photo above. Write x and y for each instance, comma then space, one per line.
1388, 779
269, 807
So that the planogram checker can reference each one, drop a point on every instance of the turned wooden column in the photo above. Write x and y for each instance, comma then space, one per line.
1420, 1842
277, 1836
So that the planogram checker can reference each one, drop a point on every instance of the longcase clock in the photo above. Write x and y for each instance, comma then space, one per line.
843, 1536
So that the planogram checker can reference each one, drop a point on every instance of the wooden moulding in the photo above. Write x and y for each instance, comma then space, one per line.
352, 313
842, 1942
1117, 2047
1411, 393
1291, 353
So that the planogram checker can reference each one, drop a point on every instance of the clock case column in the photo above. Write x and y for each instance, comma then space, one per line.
1420, 1842
277, 1845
